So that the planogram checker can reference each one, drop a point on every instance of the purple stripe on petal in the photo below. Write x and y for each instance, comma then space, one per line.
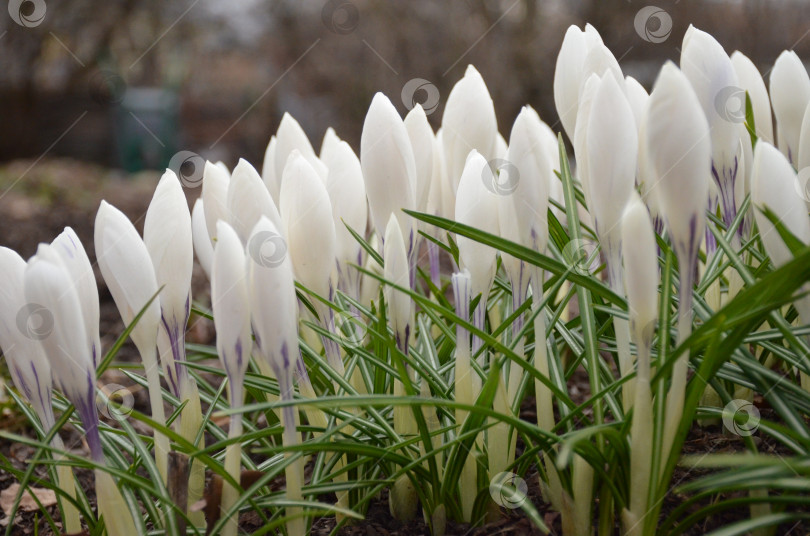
88, 413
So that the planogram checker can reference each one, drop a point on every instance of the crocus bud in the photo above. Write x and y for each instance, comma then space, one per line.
269, 169
273, 303
75, 259
48, 284
290, 137
639, 252
127, 269
347, 194
612, 152
711, 73
468, 123
229, 299
679, 150
215, 196
790, 94
167, 236
637, 97
421, 136
751, 81
249, 200
773, 186
330, 140
523, 184
569, 73
397, 271
389, 166
477, 206
307, 215
580, 140
22, 325
199, 234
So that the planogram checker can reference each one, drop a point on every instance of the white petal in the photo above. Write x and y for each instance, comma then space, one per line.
751, 80
307, 215
774, 185
203, 246
290, 137
248, 200
397, 271
215, 196
468, 123
388, 163
790, 94
230, 302
127, 269
421, 136
680, 153
612, 151
273, 303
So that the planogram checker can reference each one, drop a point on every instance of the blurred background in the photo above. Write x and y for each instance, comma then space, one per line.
127, 84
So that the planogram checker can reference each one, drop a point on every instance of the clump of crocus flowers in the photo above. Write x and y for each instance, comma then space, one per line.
318, 240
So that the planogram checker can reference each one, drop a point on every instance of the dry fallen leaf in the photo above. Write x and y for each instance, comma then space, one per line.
28, 504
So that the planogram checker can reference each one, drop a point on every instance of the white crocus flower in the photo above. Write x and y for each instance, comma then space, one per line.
580, 140
396, 270
48, 283
569, 74
523, 184
290, 137
330, 141
75, 259
274, 314
167, 236
477, 206
751, 81
711, 73
347, 194
230, 302
773, 187
248, 200
421, 136
612, 155
127, 269
269, 169
641, 280
402, 500
790, 95
307, 215
215, 196
389, 167
680, 153
468, 123
203, 246
22, 325
637, 96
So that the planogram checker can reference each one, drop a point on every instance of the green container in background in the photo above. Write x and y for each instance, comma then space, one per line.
147, 128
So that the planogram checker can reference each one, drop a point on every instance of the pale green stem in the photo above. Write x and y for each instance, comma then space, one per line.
190, 424
150, 364
641, 436
233, 459
294, 472
620, 325
464, 394
677, 390
112, 507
